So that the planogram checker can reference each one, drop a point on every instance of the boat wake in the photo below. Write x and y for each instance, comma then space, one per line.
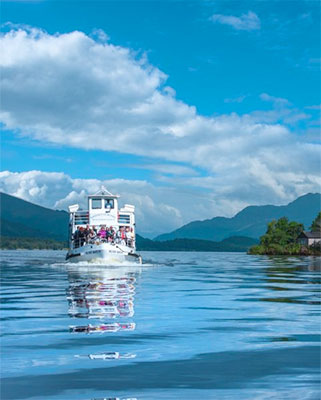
100, 263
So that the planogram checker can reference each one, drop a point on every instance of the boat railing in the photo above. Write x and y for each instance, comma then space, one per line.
124, 219
81, 218
81, 241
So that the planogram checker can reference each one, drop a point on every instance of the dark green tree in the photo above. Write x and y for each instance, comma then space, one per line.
316, 224
280, 238
281, 232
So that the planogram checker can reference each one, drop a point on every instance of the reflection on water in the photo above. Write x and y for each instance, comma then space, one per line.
116, 398
105, 294
110, 356
113, 355
286, 264
194, 326
282, 275
108, 299
113, 327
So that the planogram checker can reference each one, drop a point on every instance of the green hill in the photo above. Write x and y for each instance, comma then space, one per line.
232, 244
21, 219
250, 222
26, 225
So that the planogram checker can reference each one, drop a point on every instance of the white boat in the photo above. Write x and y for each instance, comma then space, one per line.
104, 232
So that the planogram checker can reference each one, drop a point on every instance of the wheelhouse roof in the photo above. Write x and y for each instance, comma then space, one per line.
103, 192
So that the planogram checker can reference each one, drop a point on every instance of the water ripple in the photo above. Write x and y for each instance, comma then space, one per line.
185, 325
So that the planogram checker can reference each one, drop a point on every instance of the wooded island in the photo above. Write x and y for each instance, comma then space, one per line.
284, 237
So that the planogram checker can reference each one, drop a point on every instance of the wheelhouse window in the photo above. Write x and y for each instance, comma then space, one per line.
109, 203
96, 204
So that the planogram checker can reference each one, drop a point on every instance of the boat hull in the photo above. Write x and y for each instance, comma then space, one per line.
105, 252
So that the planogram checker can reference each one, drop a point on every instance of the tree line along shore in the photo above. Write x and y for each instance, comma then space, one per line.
232, 244
26, 243
283, 238
25, 225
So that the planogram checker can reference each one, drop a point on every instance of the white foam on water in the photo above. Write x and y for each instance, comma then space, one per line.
100, 269
101, 263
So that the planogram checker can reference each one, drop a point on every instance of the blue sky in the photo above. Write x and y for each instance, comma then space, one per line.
229, 101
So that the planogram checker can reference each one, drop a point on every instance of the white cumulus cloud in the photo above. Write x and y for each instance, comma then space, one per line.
246, 22
158, 209
72, 90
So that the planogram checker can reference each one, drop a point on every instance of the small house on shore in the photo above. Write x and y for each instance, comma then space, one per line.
309, 238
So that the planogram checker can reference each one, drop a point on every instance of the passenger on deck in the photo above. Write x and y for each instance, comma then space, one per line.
76, 237
122, 236
110, 234
81, 236
86, 233
102, 233
113, 233
118, 236
92, 236
128, 237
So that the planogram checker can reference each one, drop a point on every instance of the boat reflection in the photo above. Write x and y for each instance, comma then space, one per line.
103, 328
115, 355
102, 299
117, 398
110, 355
102, 293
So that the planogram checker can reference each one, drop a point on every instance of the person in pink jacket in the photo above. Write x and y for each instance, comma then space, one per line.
102, 232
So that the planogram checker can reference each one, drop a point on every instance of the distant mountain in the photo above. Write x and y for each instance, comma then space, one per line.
250, 222
232, 244
21, 219
26, 225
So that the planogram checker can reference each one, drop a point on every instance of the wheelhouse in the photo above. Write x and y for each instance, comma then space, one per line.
103, 211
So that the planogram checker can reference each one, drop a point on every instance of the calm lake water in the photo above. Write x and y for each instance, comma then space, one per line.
182, 326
